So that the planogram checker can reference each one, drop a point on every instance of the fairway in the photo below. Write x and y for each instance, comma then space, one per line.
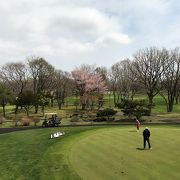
116, 153
91, 153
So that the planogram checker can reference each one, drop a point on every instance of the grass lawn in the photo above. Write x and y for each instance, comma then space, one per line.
112, 153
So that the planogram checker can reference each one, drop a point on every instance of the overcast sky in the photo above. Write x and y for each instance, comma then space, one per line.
68, 33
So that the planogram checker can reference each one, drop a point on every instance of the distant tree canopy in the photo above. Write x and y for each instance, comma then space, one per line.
5, 97
26, 100
151, 71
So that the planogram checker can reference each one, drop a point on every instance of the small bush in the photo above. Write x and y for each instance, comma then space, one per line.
106, 112
74, 119
16, 120
35, 120
25, 121
74, 115
2, 120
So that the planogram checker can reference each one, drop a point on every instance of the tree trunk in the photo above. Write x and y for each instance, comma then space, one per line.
27, 110
52, 102
114, 97
59, 105
92, 106
16, 109
43, 110
150, 97
59, 102
170, 102
170, 107
83, 106
177, 98
4, 112
36, 109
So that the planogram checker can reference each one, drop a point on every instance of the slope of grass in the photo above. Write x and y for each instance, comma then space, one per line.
90, 153
32, 155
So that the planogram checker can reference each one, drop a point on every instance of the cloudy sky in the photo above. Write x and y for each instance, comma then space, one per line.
68, 33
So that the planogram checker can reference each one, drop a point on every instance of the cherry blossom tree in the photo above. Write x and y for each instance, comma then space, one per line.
88, 83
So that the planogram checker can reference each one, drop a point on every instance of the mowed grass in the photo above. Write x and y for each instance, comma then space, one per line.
113, 152
117, 153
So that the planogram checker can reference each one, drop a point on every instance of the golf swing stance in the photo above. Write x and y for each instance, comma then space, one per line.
146, 135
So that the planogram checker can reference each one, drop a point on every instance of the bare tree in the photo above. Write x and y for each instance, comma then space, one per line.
42, 74
88, 68
15, 75
122, 81
113, 79
61, 82
177, 96
171, 78
103, 72
148, 68
5, 96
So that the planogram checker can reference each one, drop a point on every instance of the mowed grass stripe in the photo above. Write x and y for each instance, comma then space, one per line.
94, 154
114, 152
108, 142
167, 151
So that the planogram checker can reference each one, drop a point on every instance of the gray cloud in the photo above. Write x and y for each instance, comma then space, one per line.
69, 32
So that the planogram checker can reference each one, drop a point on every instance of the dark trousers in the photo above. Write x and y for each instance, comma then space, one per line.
148, 141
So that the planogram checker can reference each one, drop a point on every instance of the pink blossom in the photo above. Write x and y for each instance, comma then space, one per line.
89, 82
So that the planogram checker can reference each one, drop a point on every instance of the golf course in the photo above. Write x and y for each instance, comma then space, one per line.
97, 152
90, 90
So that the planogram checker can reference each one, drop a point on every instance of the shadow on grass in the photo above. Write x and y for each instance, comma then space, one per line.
132, 131
140, 149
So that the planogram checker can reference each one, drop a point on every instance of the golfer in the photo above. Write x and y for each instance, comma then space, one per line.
146, 135
137, 124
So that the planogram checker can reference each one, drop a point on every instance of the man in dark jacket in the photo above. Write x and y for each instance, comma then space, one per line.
146, 135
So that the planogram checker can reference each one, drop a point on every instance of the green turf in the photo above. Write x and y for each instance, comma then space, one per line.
117, 153
113, 152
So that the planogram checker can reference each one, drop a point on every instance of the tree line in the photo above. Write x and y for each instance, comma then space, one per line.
36, 83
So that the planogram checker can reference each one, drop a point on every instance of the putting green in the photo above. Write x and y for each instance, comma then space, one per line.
116, 153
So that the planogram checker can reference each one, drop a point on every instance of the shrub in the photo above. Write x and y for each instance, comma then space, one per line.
106, 113
74, 118
25, 121
16, 120
137, 108
35, 120
2, 120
